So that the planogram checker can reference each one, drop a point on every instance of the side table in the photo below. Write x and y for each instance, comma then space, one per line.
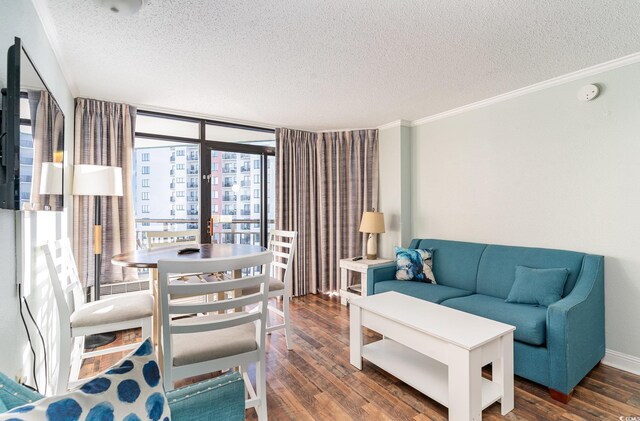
348, 292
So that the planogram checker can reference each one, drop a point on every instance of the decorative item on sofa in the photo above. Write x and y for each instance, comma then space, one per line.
372, 223
414, 265
538, 286
130, 390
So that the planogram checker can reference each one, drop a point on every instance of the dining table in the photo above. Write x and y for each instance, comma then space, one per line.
149, 258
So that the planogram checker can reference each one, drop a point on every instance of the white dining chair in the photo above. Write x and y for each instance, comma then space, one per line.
283, 246
208, 343
78, 318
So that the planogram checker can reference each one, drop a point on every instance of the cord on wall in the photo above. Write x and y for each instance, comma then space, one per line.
26, 328
44, 346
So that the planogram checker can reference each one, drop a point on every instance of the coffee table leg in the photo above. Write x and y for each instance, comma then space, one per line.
465, 384
355, 336
502, 370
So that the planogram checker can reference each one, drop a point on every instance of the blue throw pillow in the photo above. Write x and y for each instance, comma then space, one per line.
414, 265
130, 390
538, 286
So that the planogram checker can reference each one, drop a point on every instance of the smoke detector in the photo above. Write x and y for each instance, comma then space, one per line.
122, 7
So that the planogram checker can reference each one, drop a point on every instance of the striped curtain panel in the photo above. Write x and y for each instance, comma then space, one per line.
324, 182
104, 135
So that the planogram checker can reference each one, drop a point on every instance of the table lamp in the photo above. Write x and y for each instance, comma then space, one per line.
372, 223
97, 181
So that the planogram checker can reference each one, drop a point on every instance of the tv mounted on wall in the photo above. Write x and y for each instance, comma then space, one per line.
31, 138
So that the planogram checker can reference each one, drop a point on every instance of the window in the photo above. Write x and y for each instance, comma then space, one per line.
145, 208
215, 181
256, 179
215, 194
256, 193
180, 166
179, 179
256, 164
146, 170
256, 208
214, 166
180, 193
145, 156
179, 207
145, 195
145, 182
180, 152
215, 154
215, 208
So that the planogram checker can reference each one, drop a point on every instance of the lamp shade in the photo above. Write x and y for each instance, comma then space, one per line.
51, 178
97, 180
372, 222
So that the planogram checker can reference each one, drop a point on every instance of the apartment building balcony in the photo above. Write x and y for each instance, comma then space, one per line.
228, 155
245, 212
173, 212
172, 199
172, 185
172, 172
245, 183
193, 157
193, 171
227, 170
173, 158
192, 212
229, 198
245, 197
245, 156
192, 198
192, 185
227, 184
245, 168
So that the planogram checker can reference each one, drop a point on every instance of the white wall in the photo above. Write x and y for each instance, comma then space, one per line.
394, 149
19, 18
544, 170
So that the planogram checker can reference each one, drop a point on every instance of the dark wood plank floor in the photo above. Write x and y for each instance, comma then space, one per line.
315, 381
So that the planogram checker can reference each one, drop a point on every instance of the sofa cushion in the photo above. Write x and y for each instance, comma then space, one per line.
426, 291
497, 268
537, 286
131, 390
455, 263
414, 265
530, 321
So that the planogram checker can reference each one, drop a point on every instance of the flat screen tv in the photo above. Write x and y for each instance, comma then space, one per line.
31, 138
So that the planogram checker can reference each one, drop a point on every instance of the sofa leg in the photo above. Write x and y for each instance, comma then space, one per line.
559, 396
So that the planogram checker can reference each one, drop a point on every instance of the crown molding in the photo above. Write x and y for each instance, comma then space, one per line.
401, 123
52, 35
569, 77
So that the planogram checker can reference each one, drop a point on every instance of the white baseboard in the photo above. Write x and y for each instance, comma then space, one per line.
622, 361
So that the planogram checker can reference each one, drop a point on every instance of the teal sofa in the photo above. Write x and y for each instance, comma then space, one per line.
555, 346
218, 399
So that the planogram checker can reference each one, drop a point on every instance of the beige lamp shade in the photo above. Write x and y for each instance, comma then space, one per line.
372, 222
51, 178
97, 180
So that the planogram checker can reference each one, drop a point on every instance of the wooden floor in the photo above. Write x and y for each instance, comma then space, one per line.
315, 381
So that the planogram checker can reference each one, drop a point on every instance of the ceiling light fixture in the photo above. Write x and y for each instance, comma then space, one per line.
123, 7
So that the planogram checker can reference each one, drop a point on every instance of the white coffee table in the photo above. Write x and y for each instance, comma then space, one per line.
437, 350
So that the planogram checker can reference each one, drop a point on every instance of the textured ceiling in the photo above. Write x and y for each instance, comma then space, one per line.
329, 64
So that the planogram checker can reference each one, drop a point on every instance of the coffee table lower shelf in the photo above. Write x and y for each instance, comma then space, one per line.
421, 372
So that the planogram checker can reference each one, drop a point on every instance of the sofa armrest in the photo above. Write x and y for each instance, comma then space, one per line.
575, 328
221, 398
380, 273
13, 394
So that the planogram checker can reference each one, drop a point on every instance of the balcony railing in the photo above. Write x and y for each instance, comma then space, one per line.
229, 170
245, 197
192, 157
192, 198
229, 198
172, 199
192, 212
245, 183
192, 185
173, 158
245, 212
172, 185
227, 184
172, 172
228, 155
245, 168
